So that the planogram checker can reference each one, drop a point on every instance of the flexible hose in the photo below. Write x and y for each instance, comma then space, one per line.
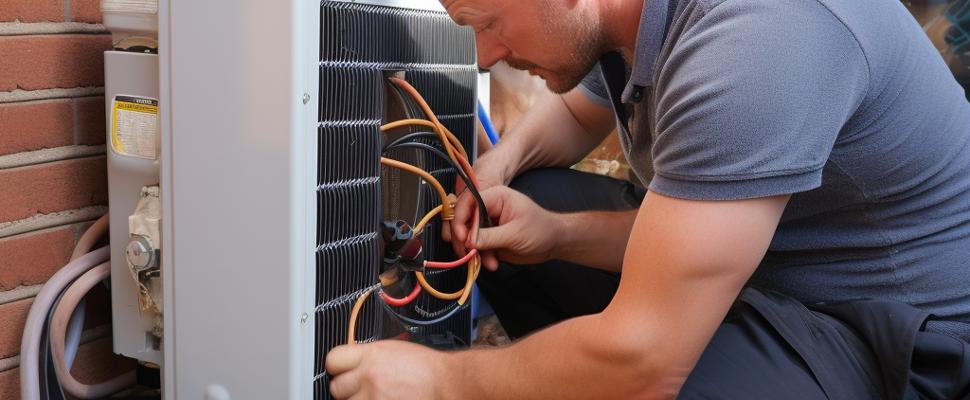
487, 124
30, 345
75, 328
74, 294
91, 237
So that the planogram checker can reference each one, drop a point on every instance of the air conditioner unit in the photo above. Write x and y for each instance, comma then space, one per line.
236, 275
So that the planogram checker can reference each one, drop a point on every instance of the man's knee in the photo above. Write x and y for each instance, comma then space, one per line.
540, 184
568, 190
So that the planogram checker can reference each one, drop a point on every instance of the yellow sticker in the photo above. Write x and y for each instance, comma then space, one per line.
134, 126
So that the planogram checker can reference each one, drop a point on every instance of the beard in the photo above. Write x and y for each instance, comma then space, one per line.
584, 45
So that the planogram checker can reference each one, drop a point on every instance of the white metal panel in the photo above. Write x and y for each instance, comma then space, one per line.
129, 74
237, 189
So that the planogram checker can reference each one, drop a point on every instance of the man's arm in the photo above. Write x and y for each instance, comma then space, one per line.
596, 239
686, 263
528, 234
558, 131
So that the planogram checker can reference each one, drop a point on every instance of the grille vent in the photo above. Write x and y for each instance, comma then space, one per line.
359, 46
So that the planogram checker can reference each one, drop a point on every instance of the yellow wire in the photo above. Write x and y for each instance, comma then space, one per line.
352, 327
475, 264
448, 211
423, 281
408, 122
403, 84
461, 295
441, 130
427, 218
455, 143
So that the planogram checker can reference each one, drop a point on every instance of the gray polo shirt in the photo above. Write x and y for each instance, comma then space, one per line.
845, 105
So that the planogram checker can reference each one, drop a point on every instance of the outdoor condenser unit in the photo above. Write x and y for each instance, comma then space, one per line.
244, 230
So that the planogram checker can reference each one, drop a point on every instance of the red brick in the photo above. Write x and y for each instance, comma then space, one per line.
10, 384
12, 319
31, 258
89, 117
34, 62
36, 125
51, 187
96, 362
86, 11
31, 10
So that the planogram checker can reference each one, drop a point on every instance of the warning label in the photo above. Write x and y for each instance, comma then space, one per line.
134, 126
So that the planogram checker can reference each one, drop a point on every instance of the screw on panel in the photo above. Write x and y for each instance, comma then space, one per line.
306, 98
304, 318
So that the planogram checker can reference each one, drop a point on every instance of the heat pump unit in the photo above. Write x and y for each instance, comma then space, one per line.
271, 198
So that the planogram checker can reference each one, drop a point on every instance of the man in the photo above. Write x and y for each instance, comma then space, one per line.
807, 165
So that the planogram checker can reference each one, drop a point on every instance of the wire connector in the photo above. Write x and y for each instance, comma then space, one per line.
448, 212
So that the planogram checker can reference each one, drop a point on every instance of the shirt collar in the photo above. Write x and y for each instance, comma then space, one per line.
654, 21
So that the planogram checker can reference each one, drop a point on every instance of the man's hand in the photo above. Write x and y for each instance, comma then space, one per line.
388, 369
524, 232
491, 169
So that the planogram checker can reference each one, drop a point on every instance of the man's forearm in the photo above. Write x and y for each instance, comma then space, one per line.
578, 358
595, 239
558, 131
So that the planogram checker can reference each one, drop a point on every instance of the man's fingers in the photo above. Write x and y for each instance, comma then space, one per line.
344, 386
490, 261
464, 212
344, 358
499, 237
459, 247
446, 231
495, 199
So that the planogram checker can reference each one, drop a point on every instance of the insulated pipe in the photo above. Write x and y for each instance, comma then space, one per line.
30, 345
76, 327
91, 237
62, 313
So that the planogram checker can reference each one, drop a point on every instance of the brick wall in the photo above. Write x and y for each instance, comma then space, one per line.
52, 167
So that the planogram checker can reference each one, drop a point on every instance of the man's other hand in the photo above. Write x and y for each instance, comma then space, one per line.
491, 170
522, 232
388, 369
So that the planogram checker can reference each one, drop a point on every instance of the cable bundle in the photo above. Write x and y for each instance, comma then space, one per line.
53, 328
454, 154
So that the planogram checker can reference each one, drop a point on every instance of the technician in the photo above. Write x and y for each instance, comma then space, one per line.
804, 231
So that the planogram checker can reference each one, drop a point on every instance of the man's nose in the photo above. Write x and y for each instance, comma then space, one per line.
490, 51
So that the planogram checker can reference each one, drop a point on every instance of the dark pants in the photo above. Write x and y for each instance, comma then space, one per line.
769, 345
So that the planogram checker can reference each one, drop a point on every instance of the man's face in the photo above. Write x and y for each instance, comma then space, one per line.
548, 38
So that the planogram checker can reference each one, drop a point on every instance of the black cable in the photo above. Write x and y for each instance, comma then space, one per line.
416, 322
50, 386
483, 212
410, 138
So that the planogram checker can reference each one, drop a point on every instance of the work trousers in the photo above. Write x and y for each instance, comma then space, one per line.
769, 346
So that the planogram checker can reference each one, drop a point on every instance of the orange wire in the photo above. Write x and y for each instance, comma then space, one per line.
354, 312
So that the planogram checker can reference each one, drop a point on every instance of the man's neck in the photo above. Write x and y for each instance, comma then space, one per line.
621, 19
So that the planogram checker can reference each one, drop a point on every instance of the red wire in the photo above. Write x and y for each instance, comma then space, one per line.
451, 264
402, 301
